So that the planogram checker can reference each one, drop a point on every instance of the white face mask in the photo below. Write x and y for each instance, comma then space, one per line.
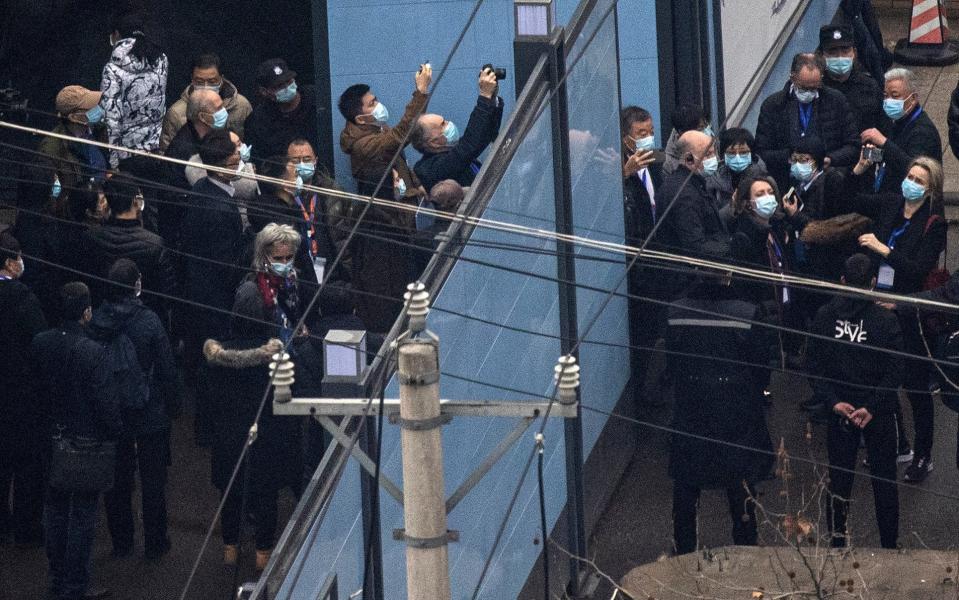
23, 267
138, 288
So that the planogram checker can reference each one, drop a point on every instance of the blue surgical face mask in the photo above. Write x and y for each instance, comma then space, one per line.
451, 133
245, 152
708, 130
400, 190
57, 188
380, 114
286, 94
739, 162
95, 115
766, 206
801, 171
305, 170
214, 88
710, 165
645, 143
839, 65
912, 191
220, 118
281, 269
805, 96
894, 108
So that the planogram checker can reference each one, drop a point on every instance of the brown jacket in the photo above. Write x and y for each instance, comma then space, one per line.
371, 147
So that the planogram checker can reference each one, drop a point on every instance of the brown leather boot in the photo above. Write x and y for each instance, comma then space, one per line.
230, 554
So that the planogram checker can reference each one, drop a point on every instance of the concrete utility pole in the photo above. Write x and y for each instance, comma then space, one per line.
424, 507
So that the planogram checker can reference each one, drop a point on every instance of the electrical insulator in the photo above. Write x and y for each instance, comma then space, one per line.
281, 372
417, 306
566, 372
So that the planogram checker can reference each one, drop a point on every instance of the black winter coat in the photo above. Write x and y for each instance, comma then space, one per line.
693, 225
636, 203
457, 162
269, 131
184, 145
779, 130
127, 238
864, 325
864, 95
212, 230
917, 250
237, 373
824, 199
906, 139
953, 120
155, 356
76, 383
20, 320
716, 399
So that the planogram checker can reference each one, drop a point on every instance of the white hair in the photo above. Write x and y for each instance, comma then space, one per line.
907, 77
273, 234
200, 101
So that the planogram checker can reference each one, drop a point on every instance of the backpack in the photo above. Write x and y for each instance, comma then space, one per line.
133, 385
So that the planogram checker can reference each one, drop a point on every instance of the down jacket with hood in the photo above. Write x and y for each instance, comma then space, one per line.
134, 100
155, 356
234, 102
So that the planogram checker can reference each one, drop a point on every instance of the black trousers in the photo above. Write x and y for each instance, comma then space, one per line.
915, 376
843, 444
151, 454
262, 503
21, 468
741, 508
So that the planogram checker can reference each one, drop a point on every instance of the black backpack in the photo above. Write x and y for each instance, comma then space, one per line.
133, 385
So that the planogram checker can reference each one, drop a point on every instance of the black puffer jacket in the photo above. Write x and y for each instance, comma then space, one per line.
779, 130
20, 320
126, 238
953, 120
863, 93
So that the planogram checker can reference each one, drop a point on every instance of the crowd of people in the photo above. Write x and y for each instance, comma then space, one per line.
131, 285
158, 282
842, 182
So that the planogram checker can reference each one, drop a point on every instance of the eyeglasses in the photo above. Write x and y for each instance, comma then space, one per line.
212, 81
285, 259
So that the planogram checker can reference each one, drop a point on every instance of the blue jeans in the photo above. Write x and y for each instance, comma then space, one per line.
70, 520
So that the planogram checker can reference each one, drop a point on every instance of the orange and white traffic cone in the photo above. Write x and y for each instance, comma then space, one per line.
928, 42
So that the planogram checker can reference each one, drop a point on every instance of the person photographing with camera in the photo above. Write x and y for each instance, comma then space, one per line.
446, 154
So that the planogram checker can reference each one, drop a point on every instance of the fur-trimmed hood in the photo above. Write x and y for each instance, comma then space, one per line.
218, 356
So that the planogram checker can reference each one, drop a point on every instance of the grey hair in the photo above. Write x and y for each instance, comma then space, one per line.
270, 235
904, 75
682, 148
418, 135
199, 101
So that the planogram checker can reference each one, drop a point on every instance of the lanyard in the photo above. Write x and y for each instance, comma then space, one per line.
895, 235
881, 170
805, 116
308, 217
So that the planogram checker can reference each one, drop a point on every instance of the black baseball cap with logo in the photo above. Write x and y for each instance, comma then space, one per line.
836, 36
273, 72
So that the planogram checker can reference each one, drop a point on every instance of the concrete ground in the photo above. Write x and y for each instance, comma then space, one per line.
191, 504
637, 526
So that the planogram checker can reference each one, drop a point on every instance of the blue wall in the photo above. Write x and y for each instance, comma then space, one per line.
382, 42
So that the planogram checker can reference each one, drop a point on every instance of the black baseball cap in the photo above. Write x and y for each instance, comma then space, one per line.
836, 36
273, 72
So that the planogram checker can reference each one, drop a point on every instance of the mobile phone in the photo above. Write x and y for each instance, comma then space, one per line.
872, 154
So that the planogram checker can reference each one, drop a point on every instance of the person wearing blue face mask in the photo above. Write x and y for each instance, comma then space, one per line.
287, 111
690, 222
759, 221
837, 45
738, 163
372, 143
446, 154
801, 109
206, 75
907, 239
905, 132
642, 175
685, 117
